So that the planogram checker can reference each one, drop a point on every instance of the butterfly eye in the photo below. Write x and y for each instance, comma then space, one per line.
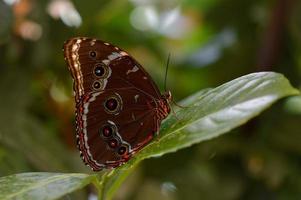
107, 131
92, 54
99, 69
113, 143
122, 150
97, 85
113, 104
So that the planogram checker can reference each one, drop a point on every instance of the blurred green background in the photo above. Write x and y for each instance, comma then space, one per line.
210, 42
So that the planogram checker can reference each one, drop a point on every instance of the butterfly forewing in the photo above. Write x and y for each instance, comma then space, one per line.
84, 55
116, 102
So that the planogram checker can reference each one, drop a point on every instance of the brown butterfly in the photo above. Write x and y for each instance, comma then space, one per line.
119, 108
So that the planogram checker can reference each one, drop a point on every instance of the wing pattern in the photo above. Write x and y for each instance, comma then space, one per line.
117, 102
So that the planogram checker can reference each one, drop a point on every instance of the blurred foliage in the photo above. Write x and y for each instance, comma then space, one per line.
210, 41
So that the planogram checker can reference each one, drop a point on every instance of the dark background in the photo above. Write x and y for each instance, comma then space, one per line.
210, 42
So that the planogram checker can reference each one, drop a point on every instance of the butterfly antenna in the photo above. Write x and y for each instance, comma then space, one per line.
166, 70
165, 86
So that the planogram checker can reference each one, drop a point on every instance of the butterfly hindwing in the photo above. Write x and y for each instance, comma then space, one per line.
131, 125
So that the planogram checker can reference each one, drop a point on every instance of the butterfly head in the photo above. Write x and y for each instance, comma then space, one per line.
166, 98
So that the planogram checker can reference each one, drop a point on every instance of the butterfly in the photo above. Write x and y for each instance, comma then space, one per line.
119, 108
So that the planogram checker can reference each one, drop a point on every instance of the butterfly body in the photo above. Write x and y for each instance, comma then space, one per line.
119, 108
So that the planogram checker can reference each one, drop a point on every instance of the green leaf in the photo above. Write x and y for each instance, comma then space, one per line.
41, 185
208, 114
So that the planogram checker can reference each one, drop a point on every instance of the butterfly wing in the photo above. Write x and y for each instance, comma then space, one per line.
116, 102
84, 56
108, 138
